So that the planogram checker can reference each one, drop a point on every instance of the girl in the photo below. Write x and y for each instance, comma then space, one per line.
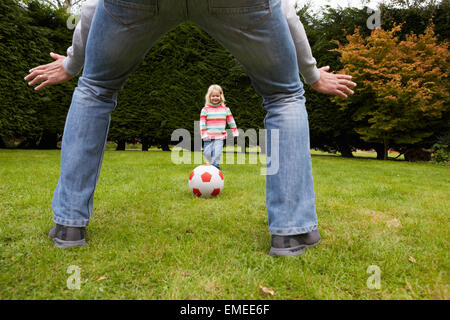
213, 118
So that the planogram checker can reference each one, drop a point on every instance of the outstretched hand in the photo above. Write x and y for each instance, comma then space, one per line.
49, 74
331, 83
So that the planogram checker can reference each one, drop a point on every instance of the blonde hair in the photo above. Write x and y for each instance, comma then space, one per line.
210, 90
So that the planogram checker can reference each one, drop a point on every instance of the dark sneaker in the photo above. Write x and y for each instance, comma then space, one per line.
294, 245
66, 237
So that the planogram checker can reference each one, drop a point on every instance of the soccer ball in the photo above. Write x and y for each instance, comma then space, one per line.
206, 181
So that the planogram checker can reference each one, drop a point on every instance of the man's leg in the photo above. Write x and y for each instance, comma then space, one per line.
120, 36
257, 34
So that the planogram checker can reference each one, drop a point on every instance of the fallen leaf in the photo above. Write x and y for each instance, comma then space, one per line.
101, 278
411, 258
267, 290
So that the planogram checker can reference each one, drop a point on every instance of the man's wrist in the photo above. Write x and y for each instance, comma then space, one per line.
71, 67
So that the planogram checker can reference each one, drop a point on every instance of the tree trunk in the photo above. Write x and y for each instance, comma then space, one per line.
48, 141
417, 154
165, 146
386, 150
120, 145
379, 148
346, 151
2, 144
145, 144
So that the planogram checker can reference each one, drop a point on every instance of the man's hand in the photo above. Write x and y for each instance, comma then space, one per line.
49, 74
330, 83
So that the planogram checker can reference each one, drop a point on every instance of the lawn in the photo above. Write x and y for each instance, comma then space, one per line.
149, 238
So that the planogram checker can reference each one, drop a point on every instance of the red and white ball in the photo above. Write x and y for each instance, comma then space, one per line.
206, 181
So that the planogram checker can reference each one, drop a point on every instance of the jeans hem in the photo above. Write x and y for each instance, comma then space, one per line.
70, 223
291, 231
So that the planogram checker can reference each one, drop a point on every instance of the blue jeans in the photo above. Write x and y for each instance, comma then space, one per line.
212, 150
255, 32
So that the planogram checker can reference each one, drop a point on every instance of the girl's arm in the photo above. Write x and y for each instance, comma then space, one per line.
231, 123
76, 53
203, 133
306, 61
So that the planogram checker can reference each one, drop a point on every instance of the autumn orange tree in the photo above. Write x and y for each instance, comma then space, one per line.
402, 96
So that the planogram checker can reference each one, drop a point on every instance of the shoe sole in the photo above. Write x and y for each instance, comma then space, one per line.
287, 252
291, 252
64, 244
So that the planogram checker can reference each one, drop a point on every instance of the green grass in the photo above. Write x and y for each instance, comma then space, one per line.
149, 238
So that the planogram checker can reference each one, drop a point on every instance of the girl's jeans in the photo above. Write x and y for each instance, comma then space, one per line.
255, 32
212, 150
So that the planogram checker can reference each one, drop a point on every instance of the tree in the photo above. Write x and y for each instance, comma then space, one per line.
28, 35
417, 16
414, 3
59, 4
331, 128
404, 91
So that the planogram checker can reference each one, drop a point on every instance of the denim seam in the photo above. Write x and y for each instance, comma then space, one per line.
128, 25
292, 230
267, 16
219, 11
236, 11
69, 222
143, 7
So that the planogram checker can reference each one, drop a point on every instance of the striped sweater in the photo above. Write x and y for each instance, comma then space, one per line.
213, 120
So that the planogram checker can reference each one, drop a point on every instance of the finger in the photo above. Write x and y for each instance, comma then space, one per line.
43, 66
326, 68
56, 56
345, 89
340, 94
50, 66
347, 83
36, 69
39, 78
43, 85
28, 77
343, 76
350, 84
40, 68
33, 75
53, 65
